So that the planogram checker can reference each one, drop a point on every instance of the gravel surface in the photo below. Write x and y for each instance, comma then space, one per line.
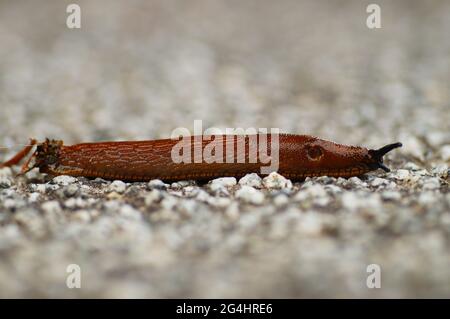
139, 70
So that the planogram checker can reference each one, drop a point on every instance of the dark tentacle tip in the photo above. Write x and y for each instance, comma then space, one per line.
385, 149
377, 155
383, 167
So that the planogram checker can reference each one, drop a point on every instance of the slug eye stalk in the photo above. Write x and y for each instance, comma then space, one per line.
377, 155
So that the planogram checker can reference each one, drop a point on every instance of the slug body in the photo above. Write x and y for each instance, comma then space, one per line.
296, 156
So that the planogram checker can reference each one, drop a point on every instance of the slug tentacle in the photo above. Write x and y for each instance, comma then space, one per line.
377, 155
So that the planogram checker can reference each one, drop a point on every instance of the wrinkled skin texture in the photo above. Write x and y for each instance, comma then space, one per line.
300, 156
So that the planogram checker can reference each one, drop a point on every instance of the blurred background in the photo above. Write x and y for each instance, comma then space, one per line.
139, 69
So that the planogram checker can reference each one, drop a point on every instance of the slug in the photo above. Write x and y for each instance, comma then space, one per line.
298, 156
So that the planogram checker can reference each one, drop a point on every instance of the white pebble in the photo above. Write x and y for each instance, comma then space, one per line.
33, 197
281, 200
275, 180
156, 183
310, 191
9, 203
445, 152
252, 180
111, 206
41, 188
333, 188
224, 181
5, 172
441, 170
187, 206
250, 195
5, 182
412, 166
153, 196
202, 196
191, 191
169, 202
432, 183
219, 201
436, 138
356, 181
181, 184
81, 216
401, 174
75, 202
51, 207
412, 146
64, 180
219, 185
353, 201
310, 225
232, 211
389, 195
117, 186
130, 212
70, 190
379, 181
427, 198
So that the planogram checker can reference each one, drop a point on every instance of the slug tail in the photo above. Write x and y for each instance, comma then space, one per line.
20, 155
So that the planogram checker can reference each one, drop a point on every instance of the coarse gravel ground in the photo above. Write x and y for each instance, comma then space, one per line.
138, 70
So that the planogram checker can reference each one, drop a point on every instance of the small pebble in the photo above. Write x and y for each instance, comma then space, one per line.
64, 180
75, 203
117, 186
81, 216
275, 180
220, 185
412, 166
389, 195
5, 182
379, 181
281, 200
154, 196
310, 191
441, 170
310, 225
353, 201
356, 181
130, 212
169, 202
5, 172
33, 197
401, 174
219, 201
224, 181
445, 153
71, 190
432, 183
181, 184
51, 207
250, 195
252, 180
427, 198
156, 184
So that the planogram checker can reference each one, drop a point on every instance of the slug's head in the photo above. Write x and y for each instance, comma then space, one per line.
321, 157
376, 156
